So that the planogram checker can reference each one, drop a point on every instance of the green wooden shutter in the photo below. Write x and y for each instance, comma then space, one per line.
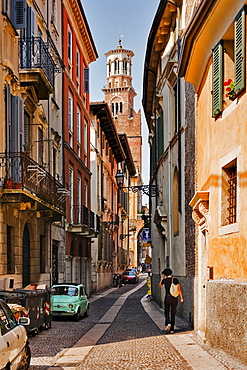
239, 51
217, 79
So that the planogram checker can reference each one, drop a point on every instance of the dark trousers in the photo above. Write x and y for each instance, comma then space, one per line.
170, 310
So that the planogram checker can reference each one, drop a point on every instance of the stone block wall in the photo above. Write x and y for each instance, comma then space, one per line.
226, 325
185, 310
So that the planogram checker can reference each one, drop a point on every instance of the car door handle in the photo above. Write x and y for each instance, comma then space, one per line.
7, 344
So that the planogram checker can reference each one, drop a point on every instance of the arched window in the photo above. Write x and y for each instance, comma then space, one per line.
109, 67
125, 67
121, 107
112, 109
116, 109
116, 65
116, 83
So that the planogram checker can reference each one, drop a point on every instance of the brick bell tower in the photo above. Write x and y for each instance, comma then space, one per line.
119, 95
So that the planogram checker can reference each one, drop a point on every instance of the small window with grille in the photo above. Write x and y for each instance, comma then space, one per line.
229, 193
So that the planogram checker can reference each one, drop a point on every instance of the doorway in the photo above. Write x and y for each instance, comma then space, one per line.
26, 257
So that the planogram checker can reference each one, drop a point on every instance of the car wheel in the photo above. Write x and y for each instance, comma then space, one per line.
77, 315
86, 313
26, 358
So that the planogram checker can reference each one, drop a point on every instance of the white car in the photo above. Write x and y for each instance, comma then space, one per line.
14, 350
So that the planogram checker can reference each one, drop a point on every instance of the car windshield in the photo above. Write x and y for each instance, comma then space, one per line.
129, 273
65, 290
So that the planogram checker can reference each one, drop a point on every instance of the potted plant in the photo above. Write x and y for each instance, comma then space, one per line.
230, 89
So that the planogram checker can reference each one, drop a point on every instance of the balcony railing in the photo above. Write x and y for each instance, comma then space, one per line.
34, 54
81, 216
19, 171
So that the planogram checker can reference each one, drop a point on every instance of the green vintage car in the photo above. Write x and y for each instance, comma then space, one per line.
69, 300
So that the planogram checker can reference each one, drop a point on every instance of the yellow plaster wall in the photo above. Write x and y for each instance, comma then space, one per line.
215, 139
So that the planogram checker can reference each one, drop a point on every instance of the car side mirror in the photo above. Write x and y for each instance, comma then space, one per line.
24, 321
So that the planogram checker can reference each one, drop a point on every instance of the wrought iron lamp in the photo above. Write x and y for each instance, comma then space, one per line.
149, 190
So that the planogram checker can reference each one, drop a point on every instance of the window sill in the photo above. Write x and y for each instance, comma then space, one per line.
230, 108
229, 229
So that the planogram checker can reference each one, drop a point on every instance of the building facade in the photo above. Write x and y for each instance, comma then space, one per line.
31, 206
106, 154
170, 118
217, 69
80, 222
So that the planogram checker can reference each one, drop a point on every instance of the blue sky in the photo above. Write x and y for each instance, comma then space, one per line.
107, 20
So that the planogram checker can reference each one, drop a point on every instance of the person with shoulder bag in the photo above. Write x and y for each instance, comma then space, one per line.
172, 291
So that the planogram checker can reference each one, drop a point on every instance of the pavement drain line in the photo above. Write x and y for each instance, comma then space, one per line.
69, 358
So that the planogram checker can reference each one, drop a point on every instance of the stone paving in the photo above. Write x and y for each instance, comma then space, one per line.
124, 331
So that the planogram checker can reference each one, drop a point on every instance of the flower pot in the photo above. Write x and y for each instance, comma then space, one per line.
17, 185
8, 184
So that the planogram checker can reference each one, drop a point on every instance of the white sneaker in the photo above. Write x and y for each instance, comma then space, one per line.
168, 327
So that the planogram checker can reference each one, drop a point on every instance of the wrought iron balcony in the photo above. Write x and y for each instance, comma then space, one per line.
21, 174
36, 65
83, 221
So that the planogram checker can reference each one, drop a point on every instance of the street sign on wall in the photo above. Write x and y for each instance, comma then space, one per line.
146, 238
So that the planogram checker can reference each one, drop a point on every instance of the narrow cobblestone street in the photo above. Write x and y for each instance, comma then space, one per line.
119, 334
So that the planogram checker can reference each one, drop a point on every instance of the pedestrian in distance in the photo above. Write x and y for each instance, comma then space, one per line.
172, 291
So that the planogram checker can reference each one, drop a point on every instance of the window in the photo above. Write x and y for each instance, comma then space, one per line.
109, 68
239, 51
26, 133
53, 3
78, 57
86, 80
40, 146
70, 113
71, 204
79, 205
15, 10
229, 50
229, 193
85, 140
121, 107
78, 123
85, 194
69, 45
125, 64
217, 78
14, 115
116, 67
55, 172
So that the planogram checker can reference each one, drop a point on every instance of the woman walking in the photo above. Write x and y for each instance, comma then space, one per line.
171, 301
